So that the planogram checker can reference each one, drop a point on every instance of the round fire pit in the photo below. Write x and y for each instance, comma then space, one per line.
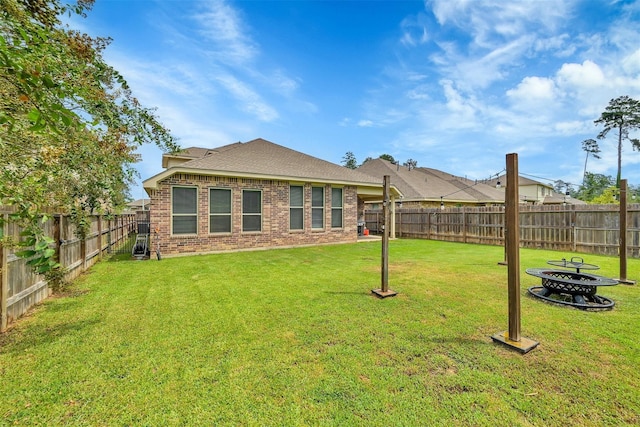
573, 289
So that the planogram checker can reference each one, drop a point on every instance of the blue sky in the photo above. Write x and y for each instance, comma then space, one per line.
453, 84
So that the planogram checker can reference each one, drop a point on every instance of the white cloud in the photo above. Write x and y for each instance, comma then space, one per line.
462, 110
494, 21
581, 76
251, 102
533, 92
365, 123
223, 27
631, 63
414, 31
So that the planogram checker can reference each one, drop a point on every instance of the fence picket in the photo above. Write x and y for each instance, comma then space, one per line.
576, 228
20, 288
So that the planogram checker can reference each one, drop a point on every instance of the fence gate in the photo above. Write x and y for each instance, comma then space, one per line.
139, 231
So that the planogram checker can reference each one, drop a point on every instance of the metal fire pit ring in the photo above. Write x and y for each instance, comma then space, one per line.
572, 289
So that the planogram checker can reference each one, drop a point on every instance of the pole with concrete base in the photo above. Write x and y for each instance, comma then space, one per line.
384, 291
512, 338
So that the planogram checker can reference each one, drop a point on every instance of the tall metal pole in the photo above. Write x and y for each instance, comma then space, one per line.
512, 337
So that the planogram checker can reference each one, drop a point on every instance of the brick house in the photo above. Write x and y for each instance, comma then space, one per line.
254, 195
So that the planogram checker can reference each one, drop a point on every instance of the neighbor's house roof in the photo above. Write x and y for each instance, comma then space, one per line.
426, 184
554, 198
262, 159
140, 203
523, 181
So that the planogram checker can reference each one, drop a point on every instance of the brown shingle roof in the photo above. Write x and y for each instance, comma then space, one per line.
264, 158
431, 184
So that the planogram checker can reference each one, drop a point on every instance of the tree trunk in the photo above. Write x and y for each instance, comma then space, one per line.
619, 176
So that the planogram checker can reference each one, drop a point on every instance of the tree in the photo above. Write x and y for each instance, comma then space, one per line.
591, 148
349, 160
366, 160
69, 123
560, 186
622, 115
608, 197
388, 157
411, 164
594, 185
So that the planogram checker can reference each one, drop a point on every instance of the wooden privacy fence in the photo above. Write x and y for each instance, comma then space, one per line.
575, 228
20, 288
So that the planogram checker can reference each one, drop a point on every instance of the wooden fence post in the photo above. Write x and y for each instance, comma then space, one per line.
99, 236
512, 337
83, 253
4, 275
623, 234
56, 238
384, 290
464, 225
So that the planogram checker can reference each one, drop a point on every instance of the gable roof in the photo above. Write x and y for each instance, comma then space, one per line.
523, 181
263, 159
418, 184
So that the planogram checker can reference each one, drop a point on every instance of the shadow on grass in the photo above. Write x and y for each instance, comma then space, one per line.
21, 340
365, 294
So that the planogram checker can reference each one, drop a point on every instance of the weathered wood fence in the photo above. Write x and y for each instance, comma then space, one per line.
20, 288
576, 228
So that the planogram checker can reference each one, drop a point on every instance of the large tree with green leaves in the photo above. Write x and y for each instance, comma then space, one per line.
349, 160
622, 116
69, 123
594, 186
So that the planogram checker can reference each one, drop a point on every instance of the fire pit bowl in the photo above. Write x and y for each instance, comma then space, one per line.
573, 289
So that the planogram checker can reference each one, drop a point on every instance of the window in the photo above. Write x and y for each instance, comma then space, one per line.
317, 207
251, 210
336, 207
296, 207
219, 210
184, 204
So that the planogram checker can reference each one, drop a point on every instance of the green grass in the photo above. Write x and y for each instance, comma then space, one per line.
294, 337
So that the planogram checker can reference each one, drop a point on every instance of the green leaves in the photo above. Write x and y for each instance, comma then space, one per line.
621, 115
40, 256
69, 123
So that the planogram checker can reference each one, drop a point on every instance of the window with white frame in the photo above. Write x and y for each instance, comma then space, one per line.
184, 210
336, 208
296, 207
251, 210
219, 210
317, 207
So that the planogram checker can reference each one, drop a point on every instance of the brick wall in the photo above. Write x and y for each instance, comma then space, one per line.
275, 217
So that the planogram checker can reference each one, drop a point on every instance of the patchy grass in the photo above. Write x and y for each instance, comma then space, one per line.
294, 337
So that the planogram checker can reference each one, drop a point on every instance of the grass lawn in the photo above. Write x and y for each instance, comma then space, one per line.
294, 337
